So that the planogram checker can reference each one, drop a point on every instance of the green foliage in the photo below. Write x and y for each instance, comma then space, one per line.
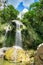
8, 14
32, 36
33, 20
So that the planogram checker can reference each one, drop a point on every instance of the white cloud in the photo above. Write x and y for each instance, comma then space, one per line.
24, 11
21, 14
20, 0
27, 2
17, 2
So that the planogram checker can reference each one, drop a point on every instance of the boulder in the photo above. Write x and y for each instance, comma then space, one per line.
2, 51
39, 55
17, 54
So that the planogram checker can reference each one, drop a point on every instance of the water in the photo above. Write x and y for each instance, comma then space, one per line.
3, 47
18, 39
7, 29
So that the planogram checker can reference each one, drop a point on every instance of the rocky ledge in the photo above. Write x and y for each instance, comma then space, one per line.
17, 54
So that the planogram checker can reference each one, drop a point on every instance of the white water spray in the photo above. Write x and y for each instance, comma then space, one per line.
18, 41
18, 38
7, 29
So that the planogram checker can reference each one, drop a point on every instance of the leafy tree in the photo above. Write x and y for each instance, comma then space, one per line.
32, 36
33, 20
8, 14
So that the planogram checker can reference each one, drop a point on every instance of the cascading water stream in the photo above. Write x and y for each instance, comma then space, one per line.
3, 47
18, 41
7, 29
18, 38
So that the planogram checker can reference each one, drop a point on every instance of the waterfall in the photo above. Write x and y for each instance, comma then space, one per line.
7, 29
18, 39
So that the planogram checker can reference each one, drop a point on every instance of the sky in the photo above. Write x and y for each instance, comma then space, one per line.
21, 4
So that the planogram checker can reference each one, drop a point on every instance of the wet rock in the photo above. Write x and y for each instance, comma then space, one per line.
39, 55
17, 54
2, 51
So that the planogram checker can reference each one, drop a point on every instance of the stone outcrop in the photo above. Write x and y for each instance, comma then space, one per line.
2, 51
39, 55
17, 54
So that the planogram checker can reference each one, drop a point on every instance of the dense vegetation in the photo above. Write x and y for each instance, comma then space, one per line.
33, 20
32, 36
8, 14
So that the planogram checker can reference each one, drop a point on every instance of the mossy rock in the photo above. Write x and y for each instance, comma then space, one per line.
17, 55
